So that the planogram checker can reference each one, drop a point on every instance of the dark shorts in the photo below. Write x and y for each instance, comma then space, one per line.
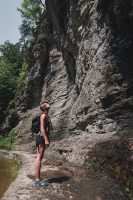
39, 140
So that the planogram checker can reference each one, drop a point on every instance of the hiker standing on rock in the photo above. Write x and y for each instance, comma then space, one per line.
42, 141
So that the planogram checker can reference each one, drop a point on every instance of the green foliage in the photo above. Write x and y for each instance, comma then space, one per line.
22, 74
31, 12
6, 142
11, 53
7, 84
12, 56
11, 62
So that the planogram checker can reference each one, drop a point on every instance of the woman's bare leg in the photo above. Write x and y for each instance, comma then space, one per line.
40, 152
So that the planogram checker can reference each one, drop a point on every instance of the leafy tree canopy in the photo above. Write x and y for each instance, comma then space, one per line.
12, 56
11, 62
31, 12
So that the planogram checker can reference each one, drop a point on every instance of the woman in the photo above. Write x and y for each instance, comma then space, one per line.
42, 142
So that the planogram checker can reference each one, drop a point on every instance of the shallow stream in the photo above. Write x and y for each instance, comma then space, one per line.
7, 174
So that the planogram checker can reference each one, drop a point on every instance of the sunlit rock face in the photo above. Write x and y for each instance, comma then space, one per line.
81, 62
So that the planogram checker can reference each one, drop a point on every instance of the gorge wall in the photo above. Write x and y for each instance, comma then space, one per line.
81, 62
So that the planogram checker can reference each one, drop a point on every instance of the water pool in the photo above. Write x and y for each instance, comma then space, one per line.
7, 174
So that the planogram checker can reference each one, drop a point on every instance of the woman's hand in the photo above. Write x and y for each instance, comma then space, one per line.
47, 143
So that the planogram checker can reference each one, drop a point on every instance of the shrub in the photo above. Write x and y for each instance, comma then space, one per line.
7, 141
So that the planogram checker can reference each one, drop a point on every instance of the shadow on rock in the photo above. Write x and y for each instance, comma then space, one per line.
59, 179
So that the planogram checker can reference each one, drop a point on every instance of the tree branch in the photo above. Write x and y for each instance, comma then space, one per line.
42, 3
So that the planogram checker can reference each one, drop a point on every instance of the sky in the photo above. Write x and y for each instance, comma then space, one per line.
10, 20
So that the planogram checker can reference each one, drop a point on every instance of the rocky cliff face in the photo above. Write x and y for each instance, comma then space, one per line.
81, 61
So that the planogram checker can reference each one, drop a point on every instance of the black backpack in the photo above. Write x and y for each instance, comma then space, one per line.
35, 126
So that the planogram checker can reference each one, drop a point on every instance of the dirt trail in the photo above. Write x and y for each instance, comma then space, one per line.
66, 182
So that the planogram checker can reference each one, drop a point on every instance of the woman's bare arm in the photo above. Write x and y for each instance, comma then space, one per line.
42, 129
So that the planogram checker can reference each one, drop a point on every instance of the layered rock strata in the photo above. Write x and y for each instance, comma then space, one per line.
81, 61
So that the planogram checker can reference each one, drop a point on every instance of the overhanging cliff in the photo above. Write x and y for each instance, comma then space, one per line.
81, 61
